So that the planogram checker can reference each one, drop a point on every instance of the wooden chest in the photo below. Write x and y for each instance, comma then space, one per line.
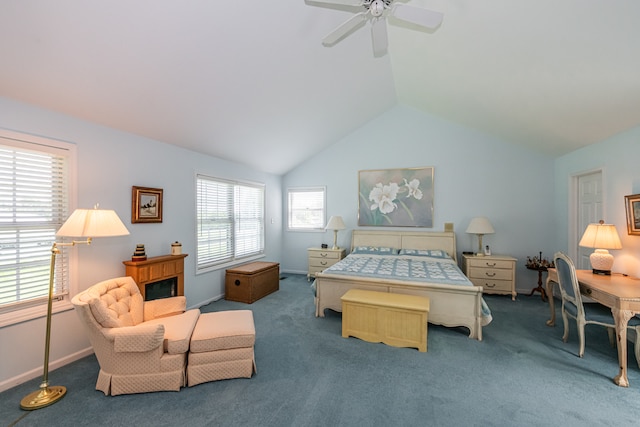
249, 282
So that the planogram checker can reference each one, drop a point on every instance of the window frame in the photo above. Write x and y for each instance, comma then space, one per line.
201, 268
292, 190
37, 308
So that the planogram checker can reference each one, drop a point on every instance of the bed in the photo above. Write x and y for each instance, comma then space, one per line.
455, 301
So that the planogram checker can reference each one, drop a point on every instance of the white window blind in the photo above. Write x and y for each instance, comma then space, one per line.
230, 221
306, 208
34, 202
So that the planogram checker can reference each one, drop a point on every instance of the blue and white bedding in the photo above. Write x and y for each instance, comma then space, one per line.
426, 266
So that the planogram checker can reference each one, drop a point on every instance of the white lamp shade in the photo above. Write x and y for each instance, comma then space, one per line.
601, 236
480, 225
92, 223
335, 223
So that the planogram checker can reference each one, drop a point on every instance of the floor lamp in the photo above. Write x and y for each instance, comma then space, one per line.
86, 223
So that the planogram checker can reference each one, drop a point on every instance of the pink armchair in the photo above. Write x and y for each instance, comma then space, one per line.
141, 346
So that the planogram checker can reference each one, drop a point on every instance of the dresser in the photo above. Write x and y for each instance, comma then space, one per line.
495, 273
319, 259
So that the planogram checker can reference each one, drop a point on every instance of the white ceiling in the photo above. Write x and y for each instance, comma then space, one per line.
250, 81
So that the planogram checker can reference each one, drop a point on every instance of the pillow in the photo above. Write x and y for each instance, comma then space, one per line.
433, 253
375, 250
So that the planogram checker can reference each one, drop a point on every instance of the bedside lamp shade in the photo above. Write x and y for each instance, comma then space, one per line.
480, 226
601, 237
335, 223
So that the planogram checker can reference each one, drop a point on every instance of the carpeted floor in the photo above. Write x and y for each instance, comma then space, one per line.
308, 375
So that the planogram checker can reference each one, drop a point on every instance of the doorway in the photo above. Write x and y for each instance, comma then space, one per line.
588, 209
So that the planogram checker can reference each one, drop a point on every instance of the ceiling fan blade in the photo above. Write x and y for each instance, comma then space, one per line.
340, 2
343, 30
379, 37
417, 15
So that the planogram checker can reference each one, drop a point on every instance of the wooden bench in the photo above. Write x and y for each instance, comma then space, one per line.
394, 319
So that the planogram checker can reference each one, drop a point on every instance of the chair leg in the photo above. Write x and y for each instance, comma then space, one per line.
581, 338
565, 320
612, 336
637, 346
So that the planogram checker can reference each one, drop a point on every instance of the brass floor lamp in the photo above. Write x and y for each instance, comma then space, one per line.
86, 223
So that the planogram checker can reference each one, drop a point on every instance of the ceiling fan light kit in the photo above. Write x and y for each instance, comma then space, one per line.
376, 11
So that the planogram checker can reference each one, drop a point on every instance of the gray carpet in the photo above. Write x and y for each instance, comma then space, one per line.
308, 375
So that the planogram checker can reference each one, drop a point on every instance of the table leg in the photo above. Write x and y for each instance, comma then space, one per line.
539, 288
552, 320
622, 319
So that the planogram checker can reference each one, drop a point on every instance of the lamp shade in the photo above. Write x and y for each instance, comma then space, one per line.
601, 236
92, 223
480, 225
335, 223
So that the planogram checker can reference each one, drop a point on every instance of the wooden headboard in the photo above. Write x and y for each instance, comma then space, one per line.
444, 240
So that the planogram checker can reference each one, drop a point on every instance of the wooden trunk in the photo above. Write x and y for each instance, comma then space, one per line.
249, 282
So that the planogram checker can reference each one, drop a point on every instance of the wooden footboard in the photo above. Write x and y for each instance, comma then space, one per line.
451, 305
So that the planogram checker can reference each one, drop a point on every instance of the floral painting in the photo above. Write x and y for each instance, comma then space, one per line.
396, 197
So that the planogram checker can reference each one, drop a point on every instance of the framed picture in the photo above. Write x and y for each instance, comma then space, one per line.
146, 204
396, 197
633, 214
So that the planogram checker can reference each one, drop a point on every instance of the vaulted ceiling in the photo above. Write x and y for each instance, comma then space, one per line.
250, 81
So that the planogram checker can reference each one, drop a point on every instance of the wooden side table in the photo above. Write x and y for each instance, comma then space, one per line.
539, 288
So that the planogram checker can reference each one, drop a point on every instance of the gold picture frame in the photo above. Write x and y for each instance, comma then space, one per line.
146, 204
632, 203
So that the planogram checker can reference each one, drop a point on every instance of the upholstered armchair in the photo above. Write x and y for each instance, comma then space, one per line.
141, 346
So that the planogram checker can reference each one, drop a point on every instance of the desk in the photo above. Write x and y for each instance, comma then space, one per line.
620, 293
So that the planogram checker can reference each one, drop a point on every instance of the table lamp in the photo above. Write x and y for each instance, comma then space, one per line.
335, 223
85, 223
601, 236
480, 226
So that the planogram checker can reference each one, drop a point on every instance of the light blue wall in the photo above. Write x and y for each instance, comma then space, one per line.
110, 163
619, 159
475, 174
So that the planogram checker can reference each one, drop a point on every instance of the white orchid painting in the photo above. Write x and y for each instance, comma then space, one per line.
396, 197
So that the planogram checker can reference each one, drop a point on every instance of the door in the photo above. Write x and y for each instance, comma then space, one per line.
589, 210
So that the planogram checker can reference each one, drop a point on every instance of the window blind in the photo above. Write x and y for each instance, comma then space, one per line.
230, 221
33, 205
306, 208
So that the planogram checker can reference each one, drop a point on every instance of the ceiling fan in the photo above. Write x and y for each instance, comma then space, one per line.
376, 11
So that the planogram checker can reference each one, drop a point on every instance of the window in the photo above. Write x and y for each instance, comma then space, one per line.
230, 221
35, 182
306, 209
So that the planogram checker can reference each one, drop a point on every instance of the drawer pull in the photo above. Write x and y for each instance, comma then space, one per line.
323, 255
323, 263
237, 282
490, 264
489, 285
492, 274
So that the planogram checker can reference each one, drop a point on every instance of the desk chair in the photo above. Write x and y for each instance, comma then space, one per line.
572, 306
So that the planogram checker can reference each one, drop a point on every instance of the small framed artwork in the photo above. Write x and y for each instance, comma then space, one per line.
146, 204
633, 214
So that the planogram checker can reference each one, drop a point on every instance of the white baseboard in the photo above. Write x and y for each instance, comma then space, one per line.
35, 373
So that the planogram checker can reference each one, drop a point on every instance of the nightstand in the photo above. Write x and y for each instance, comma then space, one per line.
495, 273
319, 259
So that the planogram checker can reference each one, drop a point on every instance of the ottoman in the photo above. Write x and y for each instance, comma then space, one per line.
222, 347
